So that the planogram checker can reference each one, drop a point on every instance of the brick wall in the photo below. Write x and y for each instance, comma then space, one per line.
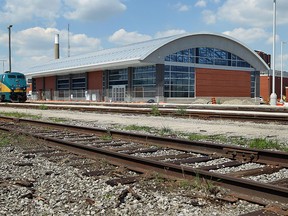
50, 83
95, 80
39, 83
265, 87
222, 83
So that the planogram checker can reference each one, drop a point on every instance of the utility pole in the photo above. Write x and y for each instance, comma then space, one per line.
281, 88
273, 96
9, 31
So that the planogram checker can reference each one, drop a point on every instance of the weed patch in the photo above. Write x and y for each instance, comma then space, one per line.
166, 131
57, 120
260, 143
106, 137
43, 107
20, 115
139, 128
182, 111
155, 111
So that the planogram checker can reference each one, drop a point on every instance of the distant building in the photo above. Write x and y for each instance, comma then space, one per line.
179, 68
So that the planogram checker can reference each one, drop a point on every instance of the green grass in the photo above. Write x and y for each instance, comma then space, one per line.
15, 139
57, 120
5, 140
139, 128
106, 137
260, 143
43, 107
155, 111
20, 115
181, 111
196, 137
166, 131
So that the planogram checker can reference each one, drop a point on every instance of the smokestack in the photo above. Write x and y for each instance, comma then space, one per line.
56, 47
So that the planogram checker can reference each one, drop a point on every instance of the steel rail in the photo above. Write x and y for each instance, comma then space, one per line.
241, 186
230, 151
258, 192
238, 114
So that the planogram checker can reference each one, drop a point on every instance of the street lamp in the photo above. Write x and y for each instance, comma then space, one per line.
9, 30
273, 96
281, 91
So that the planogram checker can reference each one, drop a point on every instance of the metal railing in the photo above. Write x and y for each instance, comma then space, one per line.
138, 94
69, 95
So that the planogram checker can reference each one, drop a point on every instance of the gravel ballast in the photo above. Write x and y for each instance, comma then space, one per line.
66, 192
58, 189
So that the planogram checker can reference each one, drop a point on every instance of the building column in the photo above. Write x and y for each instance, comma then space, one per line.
129, 90
160, 70
257, 80
44, 90
106, 80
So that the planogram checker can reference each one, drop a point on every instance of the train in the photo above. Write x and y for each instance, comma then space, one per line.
13, 87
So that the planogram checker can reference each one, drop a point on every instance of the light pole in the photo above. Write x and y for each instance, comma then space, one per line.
281, 88
273, 96
9, 30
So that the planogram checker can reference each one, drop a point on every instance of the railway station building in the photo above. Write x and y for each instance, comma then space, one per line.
180, 69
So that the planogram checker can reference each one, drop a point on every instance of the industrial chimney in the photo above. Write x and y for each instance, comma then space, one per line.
56, 47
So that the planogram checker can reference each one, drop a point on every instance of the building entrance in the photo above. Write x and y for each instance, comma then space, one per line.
118, 92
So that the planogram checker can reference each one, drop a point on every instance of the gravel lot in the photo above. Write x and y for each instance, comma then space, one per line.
215, 127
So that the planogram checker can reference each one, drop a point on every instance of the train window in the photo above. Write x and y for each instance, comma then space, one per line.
20, 77
11, 76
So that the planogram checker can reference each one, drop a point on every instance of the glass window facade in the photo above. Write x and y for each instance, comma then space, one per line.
254, 84
63, 84
144, 81
118, 77
144, 76
78, 83
71, 82
179, 81
206, 55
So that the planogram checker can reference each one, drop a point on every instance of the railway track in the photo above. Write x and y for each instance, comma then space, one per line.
231, 167
244, 113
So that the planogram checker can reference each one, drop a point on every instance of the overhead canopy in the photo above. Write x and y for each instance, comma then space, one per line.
146, 53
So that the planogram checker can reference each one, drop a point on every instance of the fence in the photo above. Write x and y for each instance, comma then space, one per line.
138, 94
68, 95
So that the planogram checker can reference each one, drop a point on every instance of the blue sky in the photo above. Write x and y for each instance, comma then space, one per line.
100, 24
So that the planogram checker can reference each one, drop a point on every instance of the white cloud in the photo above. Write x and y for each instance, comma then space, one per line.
122, 37
19, 11
170, 32
270, 39
40, 45
209, 16
248, 35
93, 9
255, 13
201, 3
181, 7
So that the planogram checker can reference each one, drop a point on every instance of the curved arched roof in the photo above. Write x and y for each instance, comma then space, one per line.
147, 52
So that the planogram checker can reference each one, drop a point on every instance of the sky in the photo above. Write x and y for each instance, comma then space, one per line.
102, 24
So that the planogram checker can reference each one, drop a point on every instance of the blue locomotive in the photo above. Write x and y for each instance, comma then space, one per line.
13, 87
